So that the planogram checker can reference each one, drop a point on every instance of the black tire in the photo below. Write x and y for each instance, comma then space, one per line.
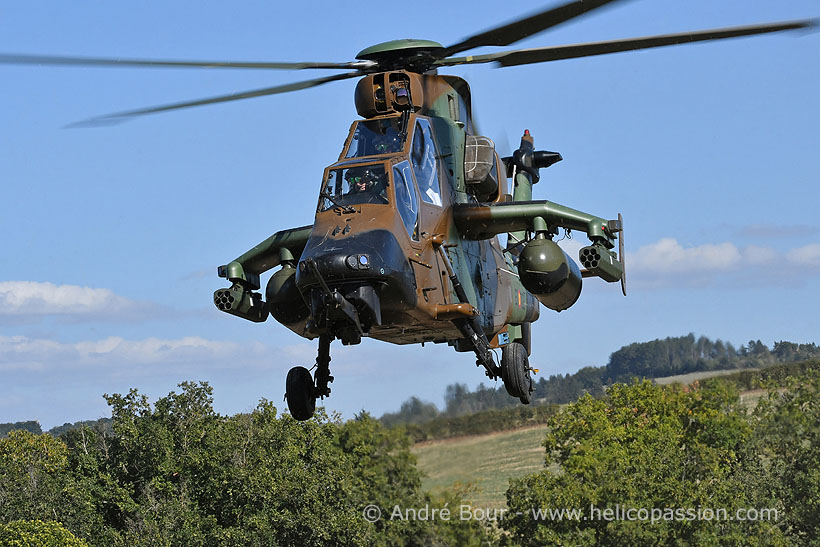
299, 392
515, 371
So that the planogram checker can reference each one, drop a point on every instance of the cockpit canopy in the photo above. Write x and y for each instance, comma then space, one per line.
376, 138
379, 166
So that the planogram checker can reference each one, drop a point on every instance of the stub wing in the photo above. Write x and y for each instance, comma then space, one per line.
485, 220
281, 246
243, 273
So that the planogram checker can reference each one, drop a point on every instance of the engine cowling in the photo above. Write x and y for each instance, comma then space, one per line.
550, 274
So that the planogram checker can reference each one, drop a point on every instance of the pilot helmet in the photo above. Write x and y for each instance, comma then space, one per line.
357, 175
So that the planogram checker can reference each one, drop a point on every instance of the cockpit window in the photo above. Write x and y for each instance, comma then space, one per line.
425, 162
354, 186
406, 200
376, 137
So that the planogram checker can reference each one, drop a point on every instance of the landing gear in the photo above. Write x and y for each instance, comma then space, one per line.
515, 371
301, 390
300, 393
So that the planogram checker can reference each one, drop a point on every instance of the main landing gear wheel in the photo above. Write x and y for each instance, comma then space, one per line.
300, 393
515, 371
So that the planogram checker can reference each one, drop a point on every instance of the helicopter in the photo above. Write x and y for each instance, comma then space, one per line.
404, 245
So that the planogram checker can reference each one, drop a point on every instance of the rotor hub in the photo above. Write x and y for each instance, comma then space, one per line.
399, 48
407, 54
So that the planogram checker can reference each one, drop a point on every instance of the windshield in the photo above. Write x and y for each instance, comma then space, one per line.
354, 186
376, 137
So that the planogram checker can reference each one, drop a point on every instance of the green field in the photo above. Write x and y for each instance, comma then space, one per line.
487, 461
687, 379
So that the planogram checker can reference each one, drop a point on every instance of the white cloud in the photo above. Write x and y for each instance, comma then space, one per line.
572, 246
305, 352
37, 299
669, 256
668, 263
808, 256
119, 354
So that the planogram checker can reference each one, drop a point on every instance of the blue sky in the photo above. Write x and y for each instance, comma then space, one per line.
111, 236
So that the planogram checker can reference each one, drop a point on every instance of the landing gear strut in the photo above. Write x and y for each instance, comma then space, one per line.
322, 376
302, 390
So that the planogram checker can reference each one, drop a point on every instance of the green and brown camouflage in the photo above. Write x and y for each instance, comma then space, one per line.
405, 292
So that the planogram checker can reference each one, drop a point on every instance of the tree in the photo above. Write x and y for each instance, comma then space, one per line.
384, 474
202, 479
642, 447
31, 426
31, 475
413, 411
788, 440
36, 483
37, 533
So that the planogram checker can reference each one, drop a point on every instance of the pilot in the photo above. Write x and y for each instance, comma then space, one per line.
365, 180
359, 180
386, 144
384, 139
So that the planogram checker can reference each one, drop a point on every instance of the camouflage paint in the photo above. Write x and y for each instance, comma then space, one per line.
419, 303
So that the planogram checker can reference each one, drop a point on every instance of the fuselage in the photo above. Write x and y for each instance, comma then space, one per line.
385, 241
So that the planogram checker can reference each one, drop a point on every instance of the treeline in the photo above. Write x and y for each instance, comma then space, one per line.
641, 465
460, 401
33, 426
656, 359
487, 421
105, 425
682, 355
177, 473
441, 426
773, 377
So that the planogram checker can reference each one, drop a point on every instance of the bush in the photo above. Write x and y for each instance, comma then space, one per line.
650, 447
37, 533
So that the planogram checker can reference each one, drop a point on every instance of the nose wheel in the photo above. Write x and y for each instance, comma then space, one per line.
300, 393
301, 390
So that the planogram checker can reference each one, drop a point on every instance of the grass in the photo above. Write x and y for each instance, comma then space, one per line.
487, 461
687, 379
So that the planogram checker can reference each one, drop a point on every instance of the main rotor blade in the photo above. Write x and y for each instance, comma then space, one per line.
556, 53
527, 26
124, 116
11, 59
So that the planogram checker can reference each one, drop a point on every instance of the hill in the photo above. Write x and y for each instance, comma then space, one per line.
485, 462
656, 359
